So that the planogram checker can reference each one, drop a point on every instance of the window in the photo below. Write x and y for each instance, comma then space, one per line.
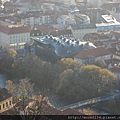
6, 104
9, 102
3, 106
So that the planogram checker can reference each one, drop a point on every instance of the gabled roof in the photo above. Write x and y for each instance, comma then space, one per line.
14, 30
116, 34
113, 44
91, 53
4, 94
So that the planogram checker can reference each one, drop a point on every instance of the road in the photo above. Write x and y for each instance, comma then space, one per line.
90, 101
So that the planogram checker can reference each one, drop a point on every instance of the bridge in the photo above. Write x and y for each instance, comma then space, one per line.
90, 101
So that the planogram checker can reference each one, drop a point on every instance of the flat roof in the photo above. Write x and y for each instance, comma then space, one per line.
107, 24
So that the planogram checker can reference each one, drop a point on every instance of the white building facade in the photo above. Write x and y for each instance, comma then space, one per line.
79, 31
14, 37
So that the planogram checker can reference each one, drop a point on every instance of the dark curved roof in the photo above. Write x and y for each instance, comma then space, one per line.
64, 47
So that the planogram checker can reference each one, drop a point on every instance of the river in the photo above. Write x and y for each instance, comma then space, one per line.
3, 79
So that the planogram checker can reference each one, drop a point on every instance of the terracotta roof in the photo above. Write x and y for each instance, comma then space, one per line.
96, 52
36, 32
46, 29
14, 30
96, 36
4, 94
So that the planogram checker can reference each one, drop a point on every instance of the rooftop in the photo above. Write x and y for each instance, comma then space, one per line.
95, 52
14, 30
4, 94
62, 46
109, 19
83, 26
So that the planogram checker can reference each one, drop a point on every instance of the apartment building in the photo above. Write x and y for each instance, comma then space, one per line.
14, 37
5, 100
113, 8
65, 20
79, 31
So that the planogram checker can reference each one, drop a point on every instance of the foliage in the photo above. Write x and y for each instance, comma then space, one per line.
69, 79
10, 86
69, 63
100, 62
12, 52
96, 75
25, 88
91, 82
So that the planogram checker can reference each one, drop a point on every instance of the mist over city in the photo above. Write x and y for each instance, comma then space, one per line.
59, 57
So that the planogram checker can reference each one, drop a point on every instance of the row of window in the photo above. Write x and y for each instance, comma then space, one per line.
108, 28
19, 40
5, 105
19, 36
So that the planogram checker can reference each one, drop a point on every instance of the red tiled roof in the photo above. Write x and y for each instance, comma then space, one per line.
14, 30
95, 52
46, 29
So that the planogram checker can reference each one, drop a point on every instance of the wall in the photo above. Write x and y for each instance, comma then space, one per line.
15, 41
6, 107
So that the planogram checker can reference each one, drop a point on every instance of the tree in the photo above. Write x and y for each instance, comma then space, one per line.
12, 52
97, 77
100, 62
90, 74
25, 89
12, 88
106, 76
69, 63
